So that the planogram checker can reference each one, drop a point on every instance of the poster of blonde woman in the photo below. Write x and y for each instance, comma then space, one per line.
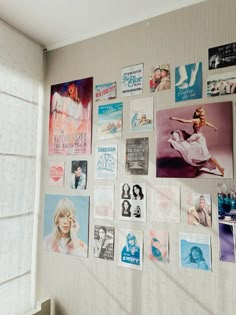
70, 117
66, 224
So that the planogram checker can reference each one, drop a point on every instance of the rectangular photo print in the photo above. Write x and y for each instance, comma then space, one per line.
199, 209
227, 221
56, 174
79, 174
131, 249
222, 56
66, 220
160, 78
110, 117
106, 161
221, 84
195, 141
132, 80
159, 246
195, 251
103, 243
141, 115
104, 202
133, 202
70, 117
106, 91
137, 154
188, 82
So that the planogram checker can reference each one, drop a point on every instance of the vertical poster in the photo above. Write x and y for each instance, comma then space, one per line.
141, 115
109, 123
56, 174
188, 82
137, 153
106, 91
104, 202
195, 251
70, 117
159, 246
131, 249
160, 78
103, 243
227, 221
106, 161
222, 56
166, 203
195, 141
199, 210
66, 220
132, 80
79, 174
221, 84
133, 202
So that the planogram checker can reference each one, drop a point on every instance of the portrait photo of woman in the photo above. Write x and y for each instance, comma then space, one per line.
137, 192
126, 212
104, 242
125, 194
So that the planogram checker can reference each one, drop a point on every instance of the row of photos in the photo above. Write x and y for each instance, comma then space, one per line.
66, 218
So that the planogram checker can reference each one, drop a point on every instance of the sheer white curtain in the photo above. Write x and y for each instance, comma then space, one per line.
21, 68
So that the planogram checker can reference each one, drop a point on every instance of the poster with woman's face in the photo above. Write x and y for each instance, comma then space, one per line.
199, 209
195, 141
195, 251
131, 249
132, 202
66, 221
103, 243
158, 246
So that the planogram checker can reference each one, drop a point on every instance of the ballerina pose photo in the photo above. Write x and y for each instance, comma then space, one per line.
193, 148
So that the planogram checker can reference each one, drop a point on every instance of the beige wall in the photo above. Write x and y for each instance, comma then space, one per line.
93, 286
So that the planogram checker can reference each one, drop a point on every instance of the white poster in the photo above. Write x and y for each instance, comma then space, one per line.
141, 115
132, 80
104, 202
106, 161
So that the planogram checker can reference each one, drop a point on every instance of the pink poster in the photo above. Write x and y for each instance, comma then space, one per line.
56, 174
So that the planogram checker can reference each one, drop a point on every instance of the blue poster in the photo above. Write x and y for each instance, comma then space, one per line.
188, 82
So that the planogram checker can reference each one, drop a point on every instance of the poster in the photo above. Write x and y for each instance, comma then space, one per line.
141, 115
166, 203
79, 174
70, 117
109, 123
227, 221
188, 82
133, 200
137, 152
104, 202
106, 91
131, 249
56, 174
132, 80
66, 220
221, 84
199, 210
160, 78
222, 56
106, 161
103, 243
159, 246
195, 251
202, 148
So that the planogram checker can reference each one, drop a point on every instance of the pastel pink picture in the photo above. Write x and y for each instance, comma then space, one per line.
56, 174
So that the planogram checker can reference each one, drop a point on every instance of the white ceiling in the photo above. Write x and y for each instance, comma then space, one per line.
56, 23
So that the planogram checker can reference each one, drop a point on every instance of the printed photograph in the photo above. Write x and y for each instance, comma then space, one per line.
106, 91
195, 141
56, 174
132, 80
141, 115
227, 221
78, 174
158, 246
66, 220
222, 56
188, 82
221, 84
131, 249
199, 209
104, 202
103, 245
109, 124
70, 117
160, 78
195, 251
